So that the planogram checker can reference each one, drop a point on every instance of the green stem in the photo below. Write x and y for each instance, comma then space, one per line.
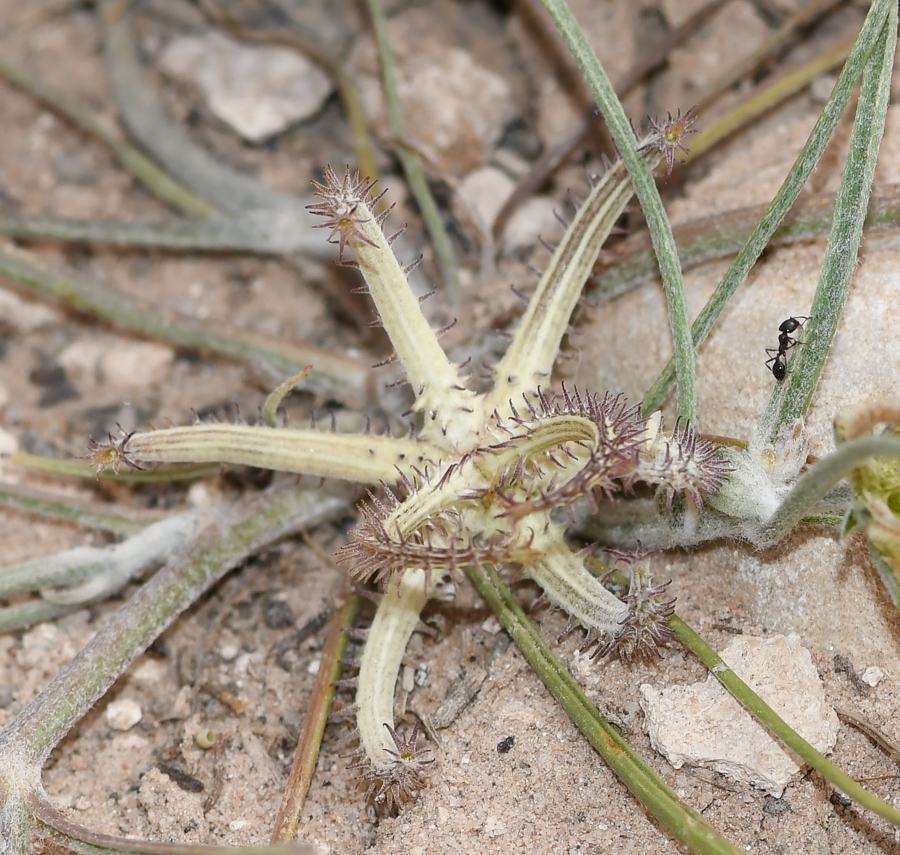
783, 731
649, 789
819, 479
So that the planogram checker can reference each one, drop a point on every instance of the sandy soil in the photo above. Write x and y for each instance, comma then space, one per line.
232, 665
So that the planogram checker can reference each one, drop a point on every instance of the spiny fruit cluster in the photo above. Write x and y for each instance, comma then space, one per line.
490, 478
540, 465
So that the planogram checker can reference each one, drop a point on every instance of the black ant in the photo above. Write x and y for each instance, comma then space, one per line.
778, 358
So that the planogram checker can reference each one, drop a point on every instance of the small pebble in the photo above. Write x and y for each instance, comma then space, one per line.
278, 615
133, 364
486, 190
873, 675
491, 625
535, 219
229, 652
8, 443
123, 714
257, 91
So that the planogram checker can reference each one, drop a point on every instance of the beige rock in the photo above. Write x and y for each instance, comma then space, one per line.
535, 219
257, 91
455, 109
484, 191
9, 443
702, 725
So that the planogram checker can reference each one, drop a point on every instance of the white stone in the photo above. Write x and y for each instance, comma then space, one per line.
873, 675
123, 714
494, 826
702, 725
9, 444
181, 707
40, 638
229, 651
257, 91
484, 192
82, 356
199, 495
491, 625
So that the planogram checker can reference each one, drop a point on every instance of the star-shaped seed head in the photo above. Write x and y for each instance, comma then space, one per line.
112, 454
669, 135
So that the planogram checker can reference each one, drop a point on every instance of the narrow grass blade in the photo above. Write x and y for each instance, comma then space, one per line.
85, 514
151, 546
763, 713
648, 196
55, 827
809, 15
769, 96
415, 176
74, 469
287, 822
723, 234
787, 194
846, 233
220, 546
333, 375
141, 167
31, 612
